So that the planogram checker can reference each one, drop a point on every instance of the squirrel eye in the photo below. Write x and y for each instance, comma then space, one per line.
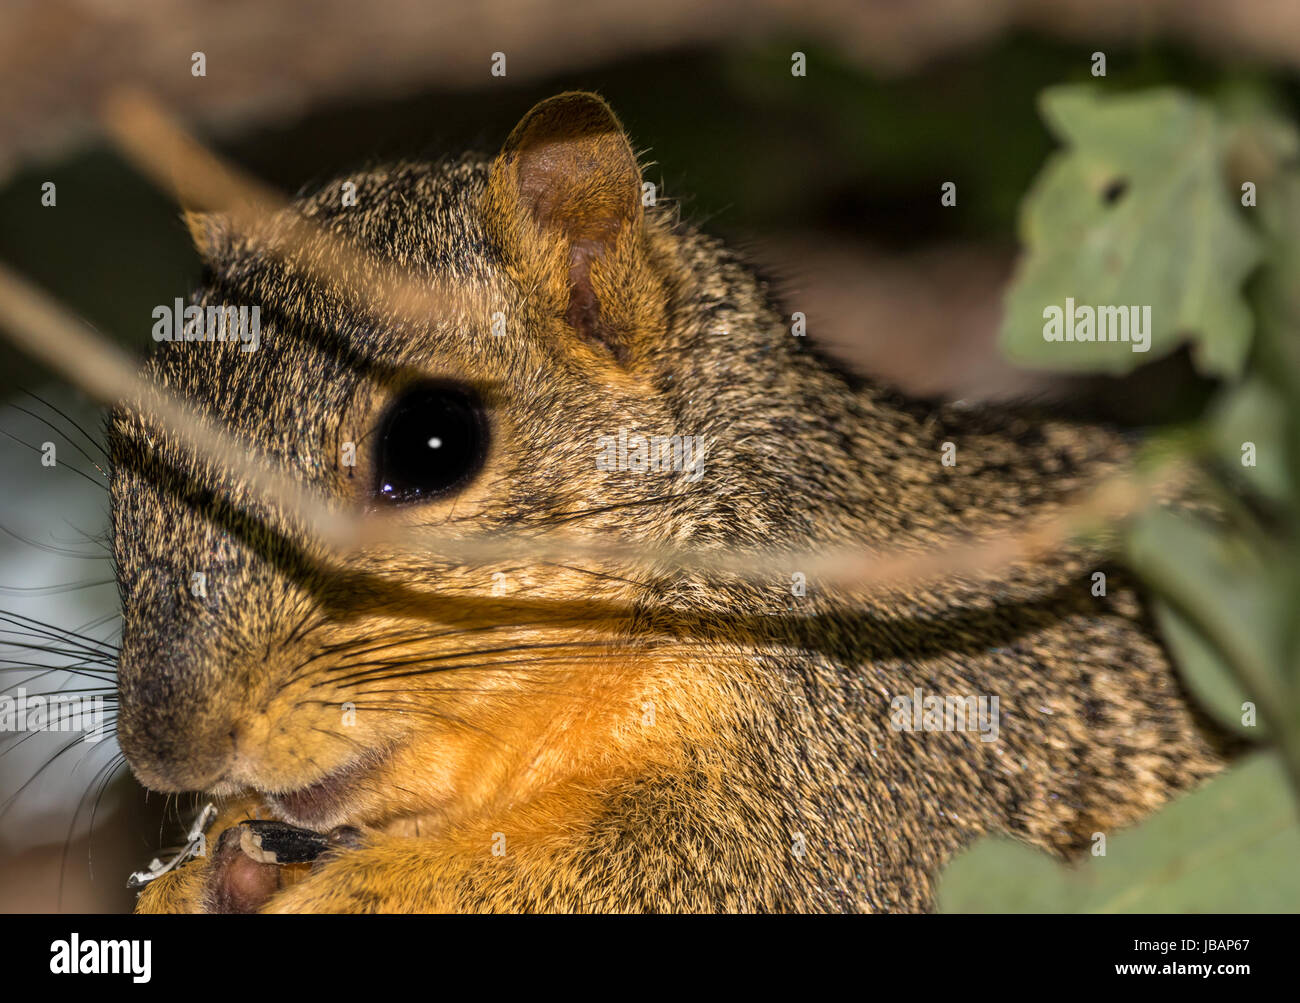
432, 440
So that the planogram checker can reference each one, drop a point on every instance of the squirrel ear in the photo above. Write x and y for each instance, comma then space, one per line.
207, 231
569, 171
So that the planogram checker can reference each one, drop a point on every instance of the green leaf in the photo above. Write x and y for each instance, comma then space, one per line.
1219, 575
1134, 212
1277, 363
1229, 847
1255, 413
1202, 668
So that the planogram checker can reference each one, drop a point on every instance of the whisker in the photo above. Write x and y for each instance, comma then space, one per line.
50, 549
428, 712
93, 440
107, 772
65, 648
49, 629
376, 675
72, 744
391, 640
603, 574
58, 466
63, 434
45, 590
453, 657
561, 518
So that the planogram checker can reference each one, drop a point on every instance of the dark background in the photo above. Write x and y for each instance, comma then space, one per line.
830, 182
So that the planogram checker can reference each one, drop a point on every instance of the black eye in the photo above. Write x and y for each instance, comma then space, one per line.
432, 440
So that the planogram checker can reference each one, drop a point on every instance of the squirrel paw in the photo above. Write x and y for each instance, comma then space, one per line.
251, 862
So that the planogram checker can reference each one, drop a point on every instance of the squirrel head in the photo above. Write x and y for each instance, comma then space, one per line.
560, 386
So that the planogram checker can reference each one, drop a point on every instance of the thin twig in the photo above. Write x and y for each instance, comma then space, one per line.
167, 154
161, 148
42, 328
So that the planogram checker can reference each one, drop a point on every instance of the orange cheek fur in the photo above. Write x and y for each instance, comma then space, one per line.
572, 699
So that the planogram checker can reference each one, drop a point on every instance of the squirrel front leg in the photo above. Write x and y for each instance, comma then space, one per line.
502, 866
524, 859
180, 890
639, 847
490, 866
631, 847
636, 845
387, 875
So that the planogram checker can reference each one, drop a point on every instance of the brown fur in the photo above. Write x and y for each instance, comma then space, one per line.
643, 740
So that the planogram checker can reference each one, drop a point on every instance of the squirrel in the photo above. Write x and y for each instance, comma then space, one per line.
550, 737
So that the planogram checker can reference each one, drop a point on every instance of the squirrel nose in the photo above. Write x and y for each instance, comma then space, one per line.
169, 759
168, 730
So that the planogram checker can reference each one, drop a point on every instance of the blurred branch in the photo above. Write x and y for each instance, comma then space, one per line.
90, 362
271, 62
161, 147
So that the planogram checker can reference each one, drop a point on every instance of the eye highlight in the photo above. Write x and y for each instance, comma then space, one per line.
432, 441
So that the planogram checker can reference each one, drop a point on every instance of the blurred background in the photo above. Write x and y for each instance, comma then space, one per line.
829, 182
